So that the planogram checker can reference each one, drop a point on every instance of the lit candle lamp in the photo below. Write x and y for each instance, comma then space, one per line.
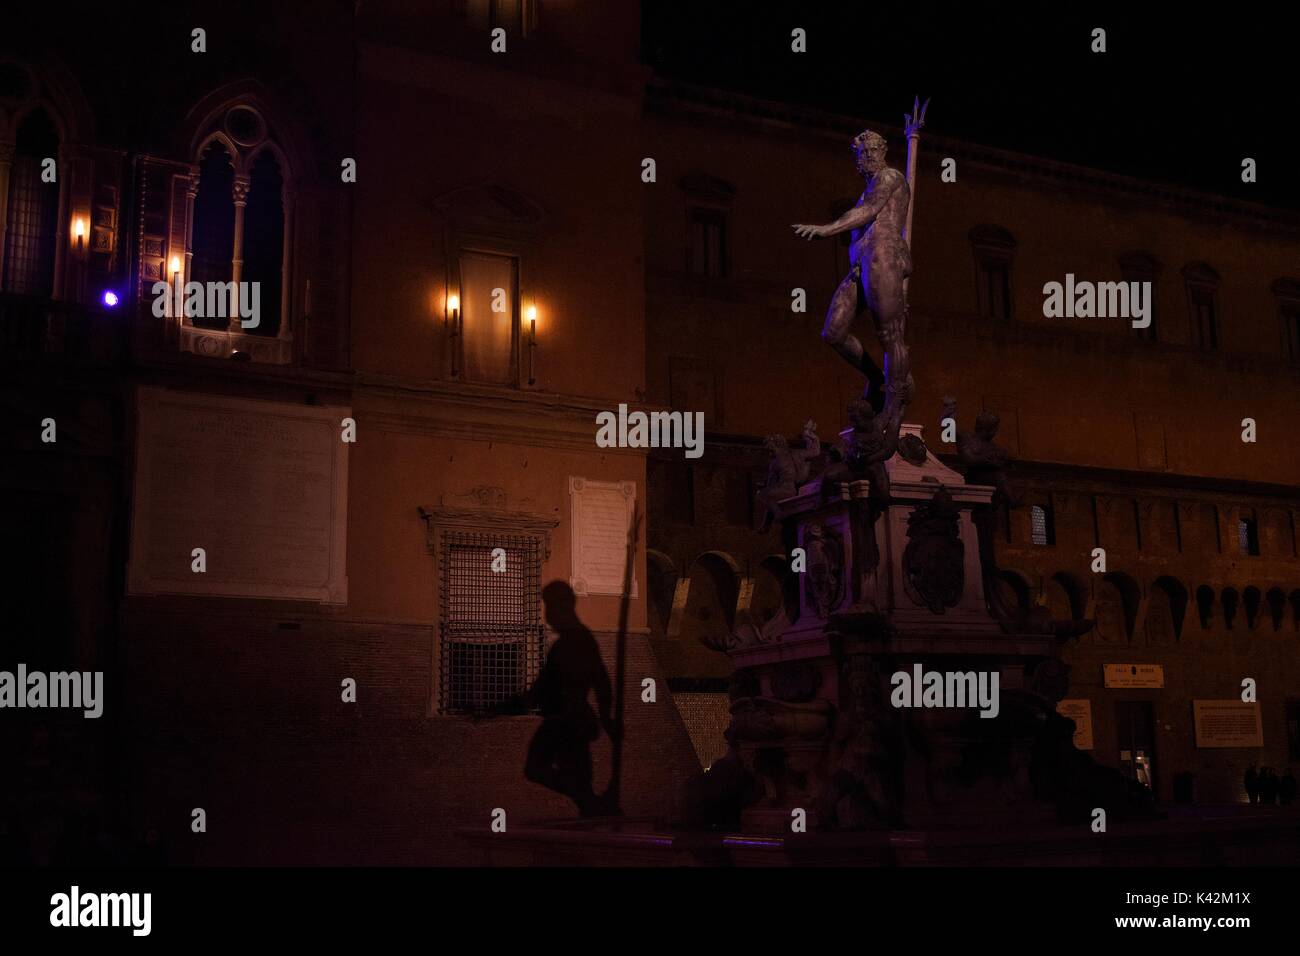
453, 313
531, 315
174, 267
79, 232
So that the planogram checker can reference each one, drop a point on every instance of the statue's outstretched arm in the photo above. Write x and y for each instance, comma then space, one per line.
858, 216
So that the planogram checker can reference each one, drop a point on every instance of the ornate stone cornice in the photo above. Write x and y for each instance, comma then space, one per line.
484, 508
484, 413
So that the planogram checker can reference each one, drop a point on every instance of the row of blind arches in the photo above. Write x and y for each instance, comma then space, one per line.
715, 593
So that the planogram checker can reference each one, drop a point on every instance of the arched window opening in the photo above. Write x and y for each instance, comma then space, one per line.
1276, 607
1204, 605
214, 226
264, 240
1230, 600
1251, 598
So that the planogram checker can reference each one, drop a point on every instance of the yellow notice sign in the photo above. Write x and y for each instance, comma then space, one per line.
1134, 675
1227, 723
1079, 711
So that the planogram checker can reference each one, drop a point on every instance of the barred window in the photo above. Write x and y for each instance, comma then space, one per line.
1042, 529
1247, 536
32, 211
491, 640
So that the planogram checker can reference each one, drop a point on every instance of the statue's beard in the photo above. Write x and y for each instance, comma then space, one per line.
873, 166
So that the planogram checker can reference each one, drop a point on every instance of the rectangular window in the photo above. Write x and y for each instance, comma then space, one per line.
681, 493
997, 289
739, 488
1293, 727
491, 629
1147, 334
708, 248
1248, 536
30, 230
1291, 327
1205, 333
489, 287
1043, 533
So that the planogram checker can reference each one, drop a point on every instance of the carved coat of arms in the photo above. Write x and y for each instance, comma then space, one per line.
934, 561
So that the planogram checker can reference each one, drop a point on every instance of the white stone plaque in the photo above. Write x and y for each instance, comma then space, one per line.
1227, 723
260, 486
600, 514
1080, 711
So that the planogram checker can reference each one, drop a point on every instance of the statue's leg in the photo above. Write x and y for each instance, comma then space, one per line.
846, 304
887, 301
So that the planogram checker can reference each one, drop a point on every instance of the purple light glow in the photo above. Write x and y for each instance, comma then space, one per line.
110, 298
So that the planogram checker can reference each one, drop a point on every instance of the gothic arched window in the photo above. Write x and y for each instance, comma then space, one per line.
240, 232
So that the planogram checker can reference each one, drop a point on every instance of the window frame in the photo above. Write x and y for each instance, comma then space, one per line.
993, 248
500, 249
1202, 281
277, 349
1144, 267
1287, 293
480, 512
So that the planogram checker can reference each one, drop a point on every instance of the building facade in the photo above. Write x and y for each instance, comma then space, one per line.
1135, 441
307, 536
279, 539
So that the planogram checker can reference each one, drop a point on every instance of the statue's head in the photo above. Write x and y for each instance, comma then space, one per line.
986, 425
861, 414
869, 148
775, 443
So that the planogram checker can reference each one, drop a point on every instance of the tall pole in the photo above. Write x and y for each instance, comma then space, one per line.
612, 792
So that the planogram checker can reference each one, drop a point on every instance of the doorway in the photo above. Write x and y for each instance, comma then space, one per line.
1135, 737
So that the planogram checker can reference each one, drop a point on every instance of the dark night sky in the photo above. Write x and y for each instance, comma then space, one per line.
1178, 97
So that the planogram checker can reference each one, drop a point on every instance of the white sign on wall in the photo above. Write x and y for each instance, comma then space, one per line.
260, 487
600, 515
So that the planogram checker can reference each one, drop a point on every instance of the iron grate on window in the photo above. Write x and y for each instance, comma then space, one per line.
1039, 515
491, 641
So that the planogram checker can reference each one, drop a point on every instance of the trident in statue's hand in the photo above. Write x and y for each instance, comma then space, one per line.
913, 121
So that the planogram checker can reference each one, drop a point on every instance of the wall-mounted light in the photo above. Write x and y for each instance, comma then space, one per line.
174, 269
453, 316
79, 232
110, 298
531, 315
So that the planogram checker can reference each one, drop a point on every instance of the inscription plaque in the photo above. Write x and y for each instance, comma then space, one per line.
1080, 711
261, 487
1227, 723
1134, 675
600, 514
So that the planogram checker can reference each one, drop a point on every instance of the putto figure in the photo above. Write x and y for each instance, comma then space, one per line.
876, 283
788, 469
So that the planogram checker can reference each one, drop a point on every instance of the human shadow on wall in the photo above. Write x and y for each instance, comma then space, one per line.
559, 757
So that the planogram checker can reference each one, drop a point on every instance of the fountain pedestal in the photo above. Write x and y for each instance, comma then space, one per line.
891, 579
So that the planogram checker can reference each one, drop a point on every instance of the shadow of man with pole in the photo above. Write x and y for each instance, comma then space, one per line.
559, 757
